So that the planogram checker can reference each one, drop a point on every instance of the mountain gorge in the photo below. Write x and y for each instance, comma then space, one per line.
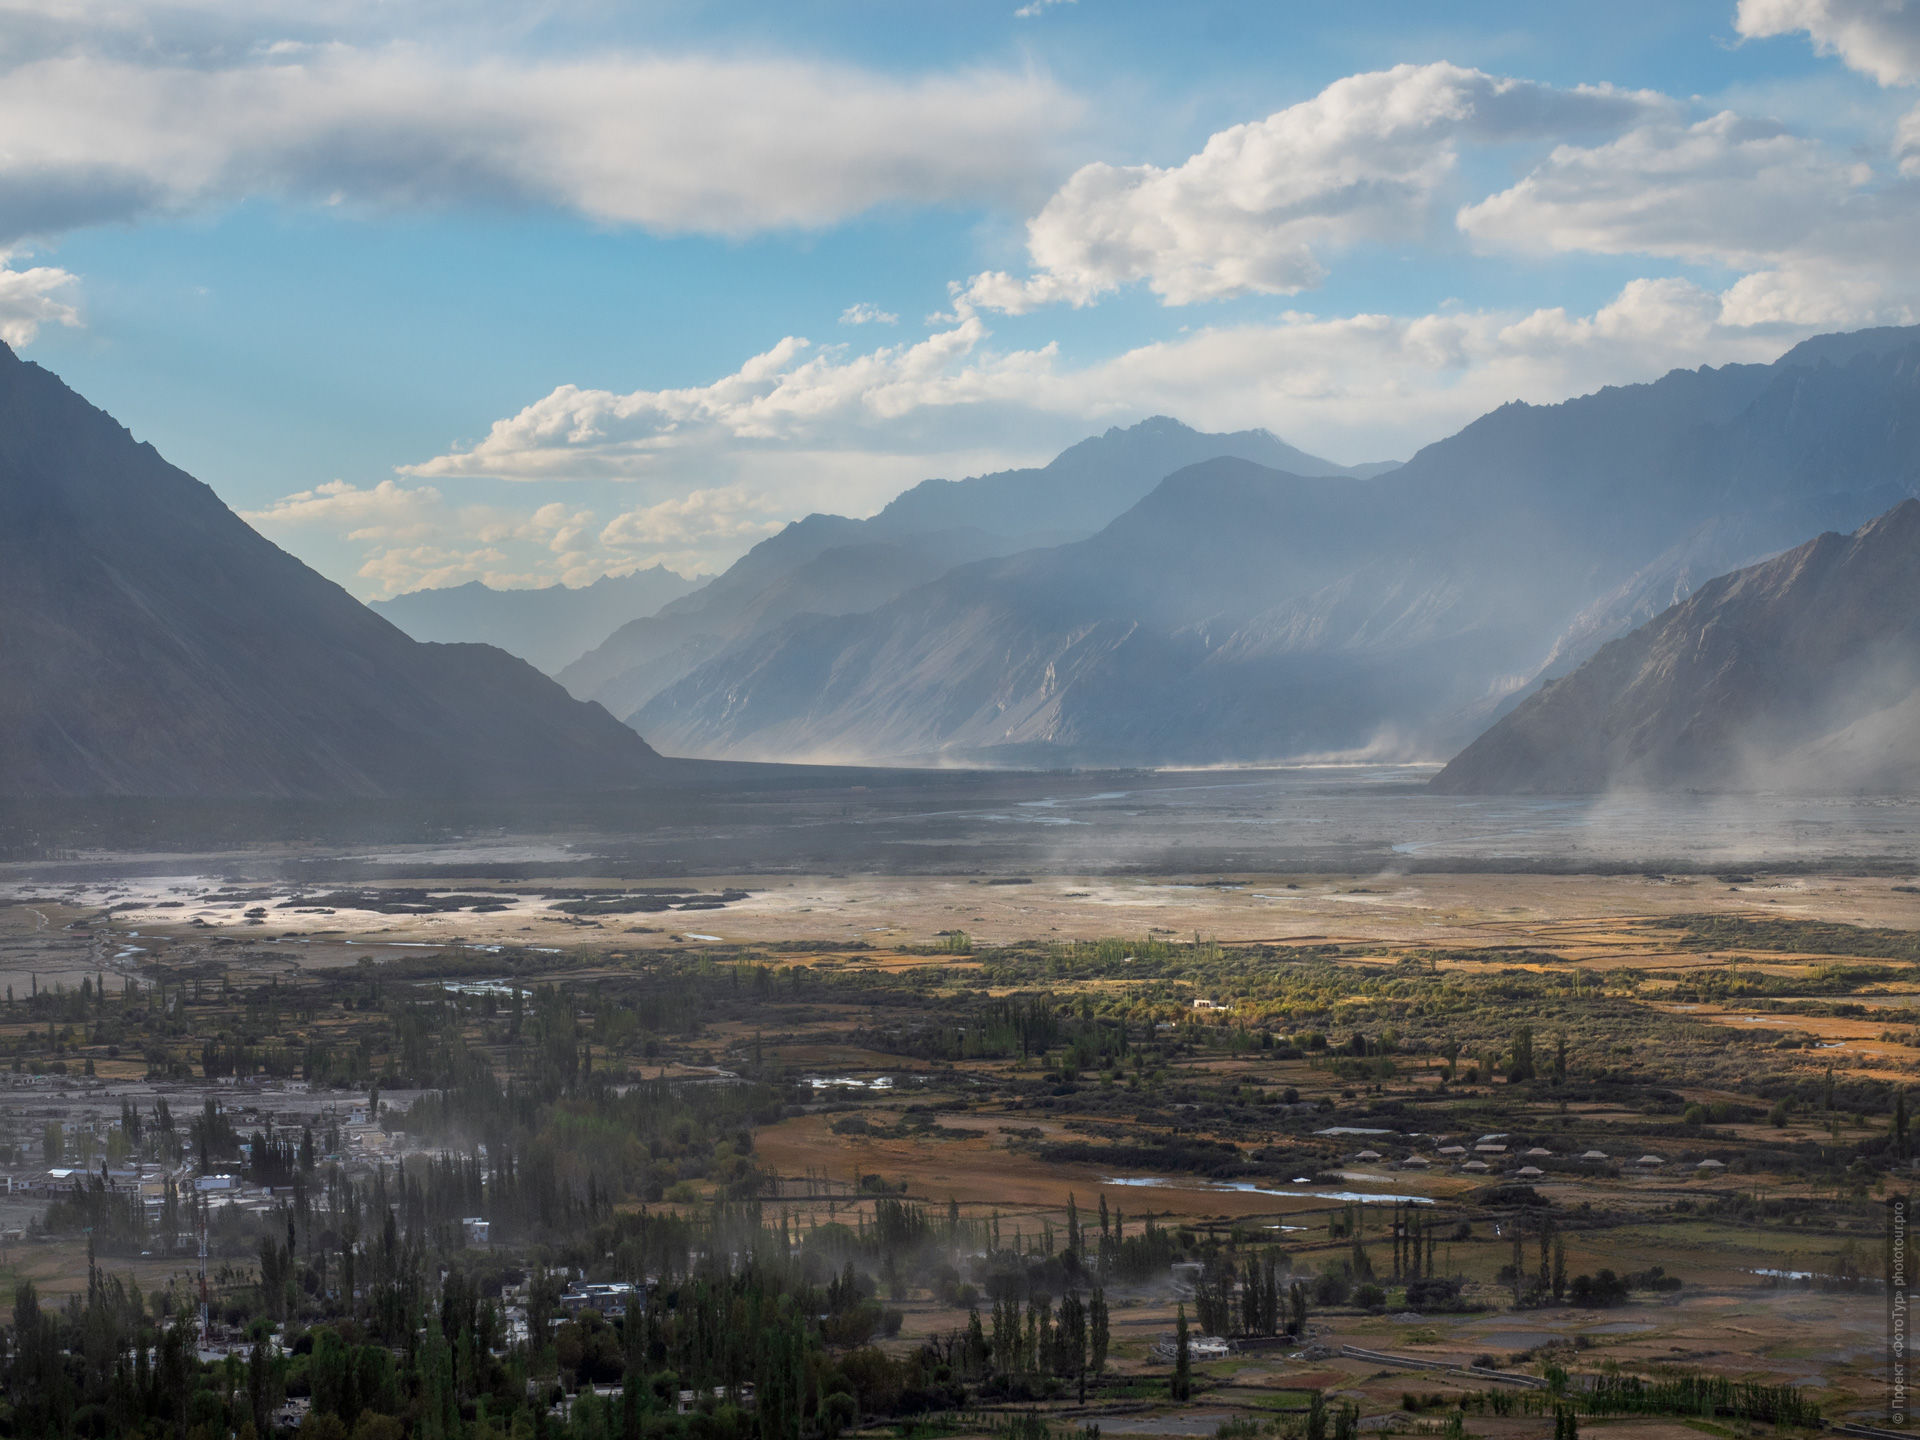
152, 644
1239, 612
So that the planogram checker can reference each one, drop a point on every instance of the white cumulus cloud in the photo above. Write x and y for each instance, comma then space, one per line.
1261, 205
1879, 38
1726, 190
698, 519
794, 395
1906, 143
670, 143
410, 536
388, 510
1823, 235
1375, 386
33, 296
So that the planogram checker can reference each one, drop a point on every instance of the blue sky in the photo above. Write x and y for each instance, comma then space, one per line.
440, 292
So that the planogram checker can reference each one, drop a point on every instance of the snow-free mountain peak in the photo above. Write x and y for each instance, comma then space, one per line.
151, 643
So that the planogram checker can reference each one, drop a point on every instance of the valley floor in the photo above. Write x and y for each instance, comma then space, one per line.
1346, 1043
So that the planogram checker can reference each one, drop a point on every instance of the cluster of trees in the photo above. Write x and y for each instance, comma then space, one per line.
563, 1143
1536, 1284
110, 1364
1285, 1010
408, 1350
372, 1027
1081, 1037
1016, 1353
1702, 1395
1264, 1306
1681, 1393
1546, 1280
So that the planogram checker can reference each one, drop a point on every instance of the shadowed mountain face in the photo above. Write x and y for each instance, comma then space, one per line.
1242, 613
829, 565
152, 644
547, 627
1800, 673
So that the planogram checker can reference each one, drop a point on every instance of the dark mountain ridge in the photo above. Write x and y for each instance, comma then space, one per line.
152, 644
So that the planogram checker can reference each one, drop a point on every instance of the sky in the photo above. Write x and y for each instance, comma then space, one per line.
533, 293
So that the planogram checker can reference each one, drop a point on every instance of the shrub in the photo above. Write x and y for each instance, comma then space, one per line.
1332, 1288
1435, 1293
1600, 1290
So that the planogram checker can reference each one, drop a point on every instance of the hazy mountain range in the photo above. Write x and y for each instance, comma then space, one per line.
1155, 595
548, 627
1800, 673
1243, 612
830, 565
151, 643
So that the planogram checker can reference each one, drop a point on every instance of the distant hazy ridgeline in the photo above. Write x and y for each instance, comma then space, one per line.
1239, 612
1154, 595
547, 627
830, 565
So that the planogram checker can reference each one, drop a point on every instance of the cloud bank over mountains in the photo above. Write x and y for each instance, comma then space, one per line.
1748, 234
837, 424
1812, 237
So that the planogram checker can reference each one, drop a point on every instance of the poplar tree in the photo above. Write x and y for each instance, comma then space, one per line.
1181, 1386
1071, 1346
1097, 1328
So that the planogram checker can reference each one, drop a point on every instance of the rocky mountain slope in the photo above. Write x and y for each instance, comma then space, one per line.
151, 643
1800, 673
830, 565
1242, 613
549, 627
